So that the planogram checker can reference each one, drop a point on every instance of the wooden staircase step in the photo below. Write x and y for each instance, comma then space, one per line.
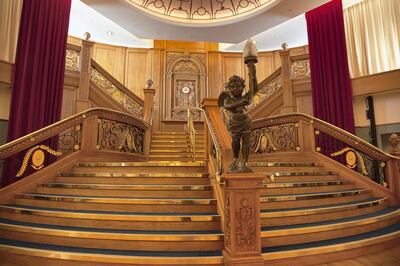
147, 205
170, 150
330, 250
296, 234
174, 141
154, 166
299, 176
42, 254
141, 164
112, 238
112, 219
106, 178
312, 199
155, 191
276, 188
290, 216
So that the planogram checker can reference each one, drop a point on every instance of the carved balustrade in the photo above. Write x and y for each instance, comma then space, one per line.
299, 132
72, 57
267, 87
94, 129
118, 92
300, 66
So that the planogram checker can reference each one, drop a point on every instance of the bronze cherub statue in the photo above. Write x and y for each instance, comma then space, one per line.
239, 124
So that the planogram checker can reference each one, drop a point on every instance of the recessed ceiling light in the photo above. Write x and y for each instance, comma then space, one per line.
110, 33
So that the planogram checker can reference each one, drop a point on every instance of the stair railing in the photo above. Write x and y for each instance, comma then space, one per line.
191, 133
303, 133
118, 92
95, 131
214, 154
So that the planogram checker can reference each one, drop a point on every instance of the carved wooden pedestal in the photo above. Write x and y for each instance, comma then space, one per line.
242, 219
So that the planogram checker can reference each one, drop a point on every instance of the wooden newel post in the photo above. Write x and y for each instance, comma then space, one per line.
82, 101
393, 166
149, 93
242, 219
287, 89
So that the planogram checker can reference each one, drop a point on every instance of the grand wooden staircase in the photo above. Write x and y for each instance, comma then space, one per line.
308, 213
106, 213
164, 212
96, 207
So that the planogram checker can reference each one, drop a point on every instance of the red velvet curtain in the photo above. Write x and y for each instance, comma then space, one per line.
38, 73
331, 86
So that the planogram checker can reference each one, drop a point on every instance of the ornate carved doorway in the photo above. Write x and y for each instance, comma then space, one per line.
185, 85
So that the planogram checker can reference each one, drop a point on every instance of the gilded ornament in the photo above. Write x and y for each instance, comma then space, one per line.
382, 164
32, 139
296, 124
298, 148
318, 149
317, 132
351, 159
38, 159
76, 147
37, 156
78, 128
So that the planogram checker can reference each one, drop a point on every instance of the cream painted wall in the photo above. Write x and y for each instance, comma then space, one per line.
386, 106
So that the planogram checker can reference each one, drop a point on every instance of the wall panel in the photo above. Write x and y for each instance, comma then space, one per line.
232, 64
136, 70
112, 59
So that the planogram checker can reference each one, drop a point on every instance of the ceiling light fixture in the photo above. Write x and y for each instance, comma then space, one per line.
110, 33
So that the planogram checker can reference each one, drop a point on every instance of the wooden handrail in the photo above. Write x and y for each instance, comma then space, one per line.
52, 130
73, 47
118, 84
335, 131
299, 57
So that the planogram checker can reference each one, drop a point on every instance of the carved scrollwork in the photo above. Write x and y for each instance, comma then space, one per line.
118, 95
119, 136
245, 231
227, 210
268, 89
300, 69
70, 140
71, 60
283, 137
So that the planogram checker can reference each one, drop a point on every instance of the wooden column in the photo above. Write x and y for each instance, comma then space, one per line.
242, 219
287, 89
148, 108
82, 101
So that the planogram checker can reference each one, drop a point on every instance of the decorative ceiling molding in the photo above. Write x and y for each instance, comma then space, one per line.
201, 12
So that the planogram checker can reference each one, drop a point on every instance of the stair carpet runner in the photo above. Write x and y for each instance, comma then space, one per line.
164, 212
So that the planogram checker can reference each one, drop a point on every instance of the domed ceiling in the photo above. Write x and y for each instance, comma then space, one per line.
201, 11
223, 21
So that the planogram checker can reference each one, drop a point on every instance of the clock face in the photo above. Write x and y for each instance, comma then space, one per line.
185, 89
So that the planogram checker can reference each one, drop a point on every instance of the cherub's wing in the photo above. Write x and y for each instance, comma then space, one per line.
222, 97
